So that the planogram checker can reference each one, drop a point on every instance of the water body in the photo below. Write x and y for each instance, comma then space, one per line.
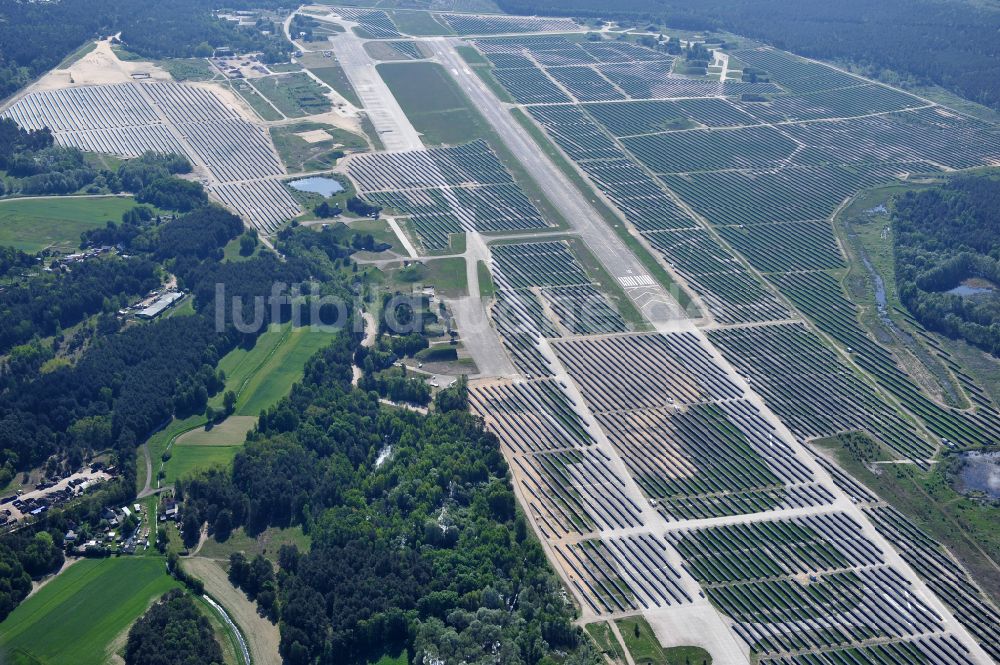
317, 185
980, 472
965, 290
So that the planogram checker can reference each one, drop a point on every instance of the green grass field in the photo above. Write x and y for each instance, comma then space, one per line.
279, 370
230, 432
158, 444
188, 69
231, 252
202, 448
33, 224
486, 287
379, 230
418, 24
448, 276
266, 543
260, 377
646, 649
606, 641
256, 101
471, 56
295, 95
334, 76
434, 104
76, 618
187, 460
384, 52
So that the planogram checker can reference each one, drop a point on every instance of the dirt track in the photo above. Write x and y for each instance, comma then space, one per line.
261, 635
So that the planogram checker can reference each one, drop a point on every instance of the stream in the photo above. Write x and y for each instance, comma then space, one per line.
232, 625
882, 306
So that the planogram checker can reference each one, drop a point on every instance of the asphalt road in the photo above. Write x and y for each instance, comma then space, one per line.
474, 327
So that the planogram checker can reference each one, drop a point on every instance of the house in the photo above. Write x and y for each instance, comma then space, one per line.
170, 509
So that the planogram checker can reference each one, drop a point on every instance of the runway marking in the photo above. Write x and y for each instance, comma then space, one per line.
636, 280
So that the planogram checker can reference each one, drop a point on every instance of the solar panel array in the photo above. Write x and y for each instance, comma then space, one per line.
128, 119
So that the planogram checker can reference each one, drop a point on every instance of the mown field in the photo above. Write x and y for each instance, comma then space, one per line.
76, 618
433, 103
294, 94
278, 369
260, 377
56, 222
330, 72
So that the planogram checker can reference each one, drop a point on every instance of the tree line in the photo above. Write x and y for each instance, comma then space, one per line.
178, 29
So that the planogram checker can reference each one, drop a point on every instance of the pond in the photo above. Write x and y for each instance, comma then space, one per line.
980, 472
966, 290
317, 185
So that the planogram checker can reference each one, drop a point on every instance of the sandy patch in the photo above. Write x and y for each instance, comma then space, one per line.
99, 67
314, 136
102, 66
346, 117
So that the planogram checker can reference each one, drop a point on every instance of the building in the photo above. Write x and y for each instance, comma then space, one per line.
160, 305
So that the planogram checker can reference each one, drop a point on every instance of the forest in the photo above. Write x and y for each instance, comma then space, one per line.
22, 557
951, 43
172, 632
49, 302
151, 29
945, 236
424, 550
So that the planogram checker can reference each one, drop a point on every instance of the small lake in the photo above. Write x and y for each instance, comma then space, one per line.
965, 290
317, 185
980, 472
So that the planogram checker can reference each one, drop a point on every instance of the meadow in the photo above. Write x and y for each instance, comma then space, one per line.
56, 222
335, 77
301, 155
294, 94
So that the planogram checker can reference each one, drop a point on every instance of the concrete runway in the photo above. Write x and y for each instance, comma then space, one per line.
392, 125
